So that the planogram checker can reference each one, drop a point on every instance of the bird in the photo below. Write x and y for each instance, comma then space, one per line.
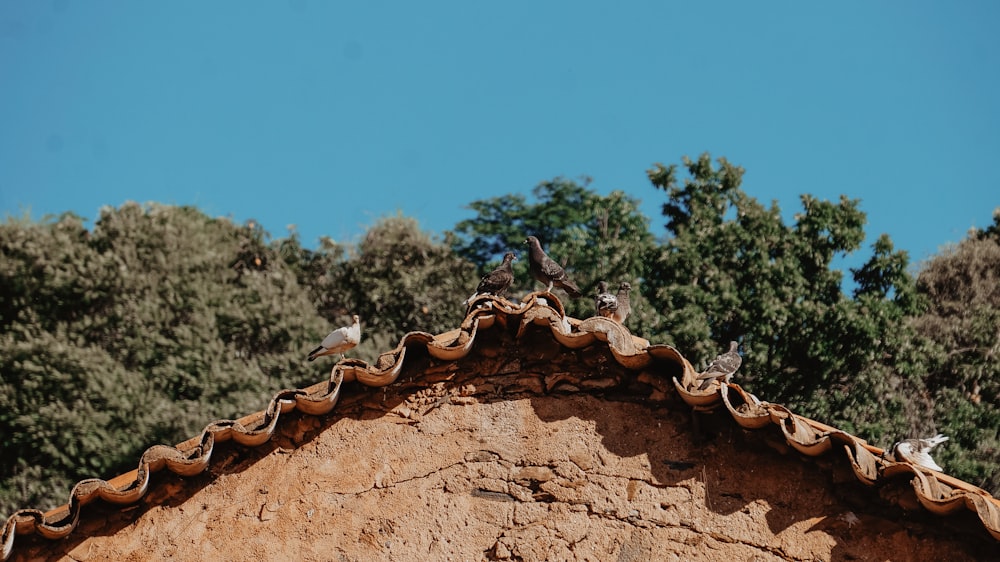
624, 307
605, 304
547, 271
497, 281
722, 367
918, 451
339, 340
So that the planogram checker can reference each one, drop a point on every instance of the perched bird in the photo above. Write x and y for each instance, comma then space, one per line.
624, 307
722, 367
497, 281
339, 340
605, 304
547, 271
918, 451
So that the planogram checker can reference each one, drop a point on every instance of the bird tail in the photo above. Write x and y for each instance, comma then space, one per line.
571, 289
314, 353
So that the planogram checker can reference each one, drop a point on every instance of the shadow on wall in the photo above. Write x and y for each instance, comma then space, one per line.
634, 417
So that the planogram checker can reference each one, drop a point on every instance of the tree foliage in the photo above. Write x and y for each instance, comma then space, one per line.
140, 332
731, 269
593, 237
398, 279
962, 288
162, 319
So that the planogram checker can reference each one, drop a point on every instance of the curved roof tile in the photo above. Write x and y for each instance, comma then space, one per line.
937, 492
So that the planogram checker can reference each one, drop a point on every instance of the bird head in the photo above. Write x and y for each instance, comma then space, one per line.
625, 286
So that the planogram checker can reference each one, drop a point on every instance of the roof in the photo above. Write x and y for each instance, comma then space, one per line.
656, 365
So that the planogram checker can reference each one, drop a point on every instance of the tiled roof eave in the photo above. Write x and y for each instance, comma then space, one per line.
937, 492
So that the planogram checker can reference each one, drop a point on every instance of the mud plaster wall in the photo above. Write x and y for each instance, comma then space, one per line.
517, 453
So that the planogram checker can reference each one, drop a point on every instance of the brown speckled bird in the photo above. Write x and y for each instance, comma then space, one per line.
624, 306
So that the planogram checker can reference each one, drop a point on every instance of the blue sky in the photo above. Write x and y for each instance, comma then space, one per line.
328, 115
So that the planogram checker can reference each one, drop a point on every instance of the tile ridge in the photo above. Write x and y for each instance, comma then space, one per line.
937, 492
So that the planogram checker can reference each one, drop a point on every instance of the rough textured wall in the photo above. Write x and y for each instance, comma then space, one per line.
533, 453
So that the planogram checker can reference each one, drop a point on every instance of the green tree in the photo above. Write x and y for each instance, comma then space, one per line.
398, 279
594, 237
731, 269
67, 413
140, 332
962, 288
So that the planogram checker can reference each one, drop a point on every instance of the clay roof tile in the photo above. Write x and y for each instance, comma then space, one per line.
935, 491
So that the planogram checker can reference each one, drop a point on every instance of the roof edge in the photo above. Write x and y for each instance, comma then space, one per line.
937, 492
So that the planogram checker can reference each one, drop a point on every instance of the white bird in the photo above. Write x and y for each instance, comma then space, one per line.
339, 340
918, 451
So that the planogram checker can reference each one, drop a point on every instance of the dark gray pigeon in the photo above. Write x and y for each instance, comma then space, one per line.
722, 367
547, 271
497, 281
918, 451
624, 307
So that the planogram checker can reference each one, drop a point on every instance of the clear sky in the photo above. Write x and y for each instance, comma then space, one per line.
328, 115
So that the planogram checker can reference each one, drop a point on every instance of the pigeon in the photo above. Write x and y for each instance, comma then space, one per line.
722, 367
497, 281
918, 451
547, 271
339, 340
624, 308
605, 304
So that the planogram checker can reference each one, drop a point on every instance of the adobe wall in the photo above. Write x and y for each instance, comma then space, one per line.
535, 453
